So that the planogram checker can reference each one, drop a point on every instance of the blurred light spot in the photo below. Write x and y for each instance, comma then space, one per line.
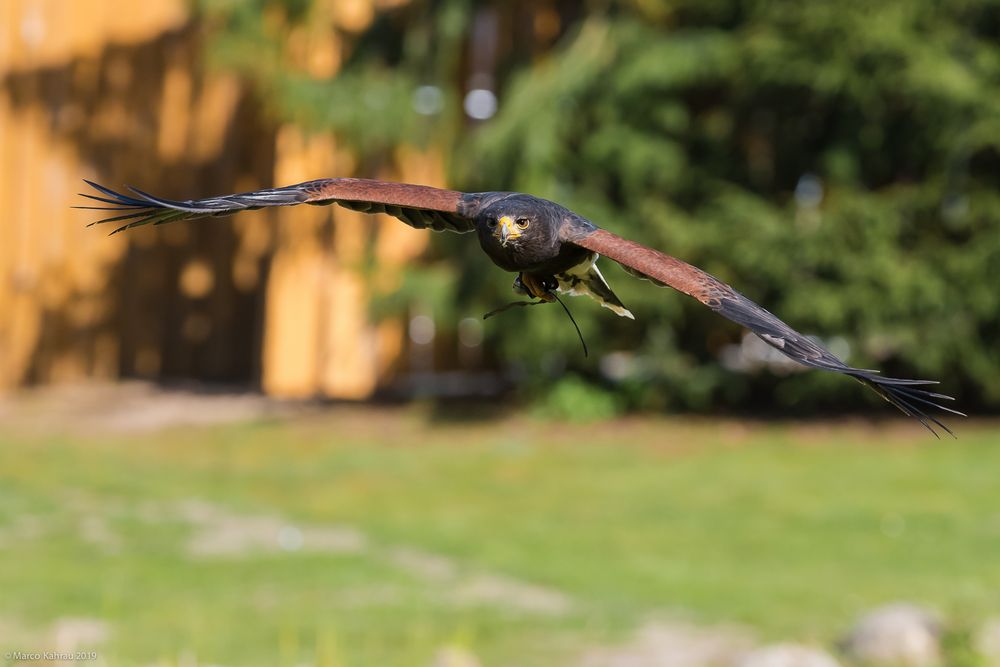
470, 332
840, 347
33, 27
893, 525
197, 279
480, 104
809, 191
290, 538
546, 24
428, 100
618, 366
753, 354
421, 329
353, 16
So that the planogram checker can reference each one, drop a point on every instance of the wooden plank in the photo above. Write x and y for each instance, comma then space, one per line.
77, 303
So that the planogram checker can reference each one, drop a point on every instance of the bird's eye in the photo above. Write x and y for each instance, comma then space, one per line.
522, 223
491, 222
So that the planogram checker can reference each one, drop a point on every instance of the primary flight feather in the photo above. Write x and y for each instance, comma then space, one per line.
550, 248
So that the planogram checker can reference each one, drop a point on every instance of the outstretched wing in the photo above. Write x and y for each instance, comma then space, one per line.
419, 206
665, 270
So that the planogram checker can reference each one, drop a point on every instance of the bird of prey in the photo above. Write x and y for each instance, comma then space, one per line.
550, 248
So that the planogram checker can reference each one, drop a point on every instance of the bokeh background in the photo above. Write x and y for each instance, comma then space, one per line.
290, 438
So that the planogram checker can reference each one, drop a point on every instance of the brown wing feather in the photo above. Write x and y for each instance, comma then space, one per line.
419, 206
723, 299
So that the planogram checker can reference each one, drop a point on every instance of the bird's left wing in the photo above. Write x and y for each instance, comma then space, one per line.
419, 206
665, 270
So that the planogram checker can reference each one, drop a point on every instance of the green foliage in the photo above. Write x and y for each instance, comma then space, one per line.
836, 162
692, 136
573, 399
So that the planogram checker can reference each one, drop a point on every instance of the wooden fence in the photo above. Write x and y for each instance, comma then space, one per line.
117, 91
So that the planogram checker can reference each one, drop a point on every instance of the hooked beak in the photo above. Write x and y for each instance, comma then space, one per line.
505, 230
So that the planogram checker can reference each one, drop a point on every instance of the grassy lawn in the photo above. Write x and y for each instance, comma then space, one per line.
374, 537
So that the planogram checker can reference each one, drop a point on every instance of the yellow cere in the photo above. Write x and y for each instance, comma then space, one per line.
507, 229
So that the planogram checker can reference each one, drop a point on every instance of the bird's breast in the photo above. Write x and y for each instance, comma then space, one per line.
527, 257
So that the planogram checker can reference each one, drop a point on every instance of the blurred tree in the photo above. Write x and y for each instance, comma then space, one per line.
837, 162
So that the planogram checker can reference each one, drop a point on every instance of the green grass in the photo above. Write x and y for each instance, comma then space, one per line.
793, 530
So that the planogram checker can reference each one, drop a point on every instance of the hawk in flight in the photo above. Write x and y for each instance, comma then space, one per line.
550, 248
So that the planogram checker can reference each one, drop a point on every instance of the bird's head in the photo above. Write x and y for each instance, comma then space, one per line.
520, 232
516, 220
507, 228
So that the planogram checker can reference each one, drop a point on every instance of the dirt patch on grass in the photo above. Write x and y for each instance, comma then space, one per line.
20, 528
465, 586
134, 407
70, 634
95, 529
65, 634
219, 532
422, 564
674, 644
503, 591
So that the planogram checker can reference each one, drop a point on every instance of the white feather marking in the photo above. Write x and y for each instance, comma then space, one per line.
571, 283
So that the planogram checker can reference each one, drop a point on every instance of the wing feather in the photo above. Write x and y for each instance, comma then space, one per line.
419, 206
665, 270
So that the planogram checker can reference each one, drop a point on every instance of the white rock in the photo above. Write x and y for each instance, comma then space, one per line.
70, 634
455, 656
788, 655
897, 635
986, 641
674, 644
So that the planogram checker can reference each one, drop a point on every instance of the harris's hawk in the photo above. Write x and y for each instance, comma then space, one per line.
550, 248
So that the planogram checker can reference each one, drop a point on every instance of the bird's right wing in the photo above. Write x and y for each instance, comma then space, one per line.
419, 206
668, 271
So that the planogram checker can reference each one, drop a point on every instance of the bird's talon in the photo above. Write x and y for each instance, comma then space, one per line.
539, 288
